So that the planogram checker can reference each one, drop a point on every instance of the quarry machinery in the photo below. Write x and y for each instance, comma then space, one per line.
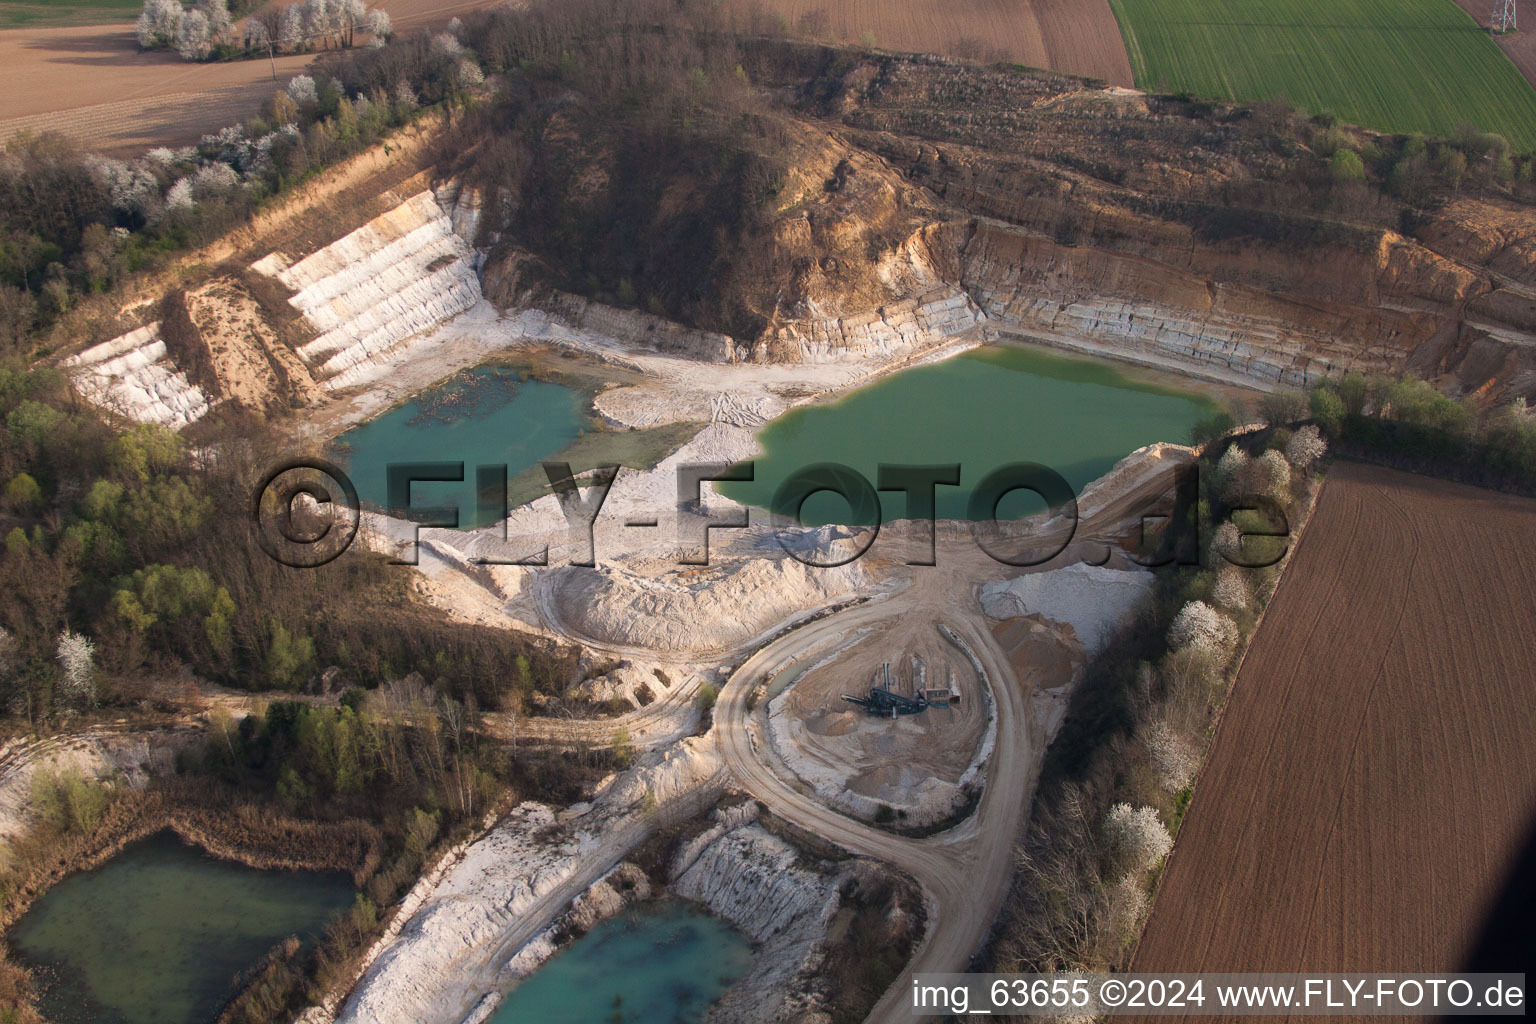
883, 700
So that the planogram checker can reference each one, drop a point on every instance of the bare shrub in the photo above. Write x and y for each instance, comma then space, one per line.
1191, 678
1127, 908
1059, 892
1283, 407
77, 670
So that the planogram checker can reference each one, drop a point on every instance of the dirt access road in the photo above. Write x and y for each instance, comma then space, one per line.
964, 872
1373, 777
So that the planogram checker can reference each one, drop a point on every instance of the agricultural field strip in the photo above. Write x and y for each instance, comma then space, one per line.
1404, 65
1373, 774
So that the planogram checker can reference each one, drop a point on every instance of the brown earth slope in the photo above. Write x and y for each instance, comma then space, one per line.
1374, 774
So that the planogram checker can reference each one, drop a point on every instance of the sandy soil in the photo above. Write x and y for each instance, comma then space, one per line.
906, 762
1520, 47
245, 349
1373, 776
1077, 36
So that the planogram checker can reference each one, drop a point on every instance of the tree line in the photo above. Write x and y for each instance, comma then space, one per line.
208, 30
1120, 774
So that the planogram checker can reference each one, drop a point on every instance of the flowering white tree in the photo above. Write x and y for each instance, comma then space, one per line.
324, 18
468, 74
1228, 542
290, 27
1229, 470
353, 15
76, 656
194, 39
1173, 757
1274, 476
445, 45
1137, 836
1127, 903
380, 24
214, 180
301, 89
158, 23
179, 196
219, 20
1201, 626
1306, 447
257, 37
1231, 590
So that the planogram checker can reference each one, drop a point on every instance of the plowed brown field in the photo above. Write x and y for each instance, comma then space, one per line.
1080, 37
93, 84
1375, 773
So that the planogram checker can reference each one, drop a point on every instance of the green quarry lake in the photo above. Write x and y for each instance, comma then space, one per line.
159, 933
658, 963
984, 409
486, 416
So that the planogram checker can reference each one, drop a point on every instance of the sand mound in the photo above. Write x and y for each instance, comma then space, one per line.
710, 609
1092, 599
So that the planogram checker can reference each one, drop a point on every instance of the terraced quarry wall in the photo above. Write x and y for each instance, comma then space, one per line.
935, 198
377, 289
134, 376
1167, 313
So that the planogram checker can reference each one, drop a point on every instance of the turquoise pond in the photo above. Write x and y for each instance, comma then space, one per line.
983, 409
487, 416
159, 934
658, 963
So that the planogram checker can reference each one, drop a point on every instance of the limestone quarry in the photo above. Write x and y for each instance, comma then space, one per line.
948, 243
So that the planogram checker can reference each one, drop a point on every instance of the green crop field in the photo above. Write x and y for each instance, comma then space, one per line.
36, 13
1393, 65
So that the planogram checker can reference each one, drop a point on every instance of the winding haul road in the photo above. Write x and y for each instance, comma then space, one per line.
964, 871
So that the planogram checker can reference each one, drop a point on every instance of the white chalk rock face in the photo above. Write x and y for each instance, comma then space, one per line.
134, 376
499, 878
371, 292
750, 877
891, 331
